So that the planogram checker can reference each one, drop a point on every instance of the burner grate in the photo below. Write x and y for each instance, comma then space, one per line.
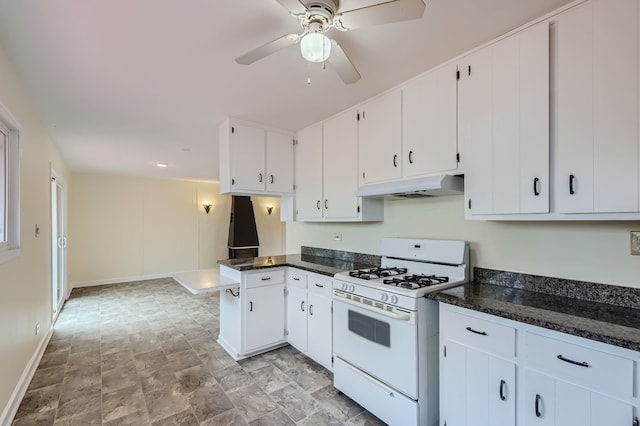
373, 273
416, 281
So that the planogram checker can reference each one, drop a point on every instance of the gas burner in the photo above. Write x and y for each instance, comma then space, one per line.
373, 273
415, 281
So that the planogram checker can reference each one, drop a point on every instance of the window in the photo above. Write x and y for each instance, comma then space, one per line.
9, 186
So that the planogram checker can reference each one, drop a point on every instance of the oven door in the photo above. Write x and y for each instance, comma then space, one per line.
382, 344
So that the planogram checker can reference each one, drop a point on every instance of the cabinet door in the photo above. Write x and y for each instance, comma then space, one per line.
297, 317
264, 316
308, 172
550, 401
476, 130
320, 334
340, 170
380, 139
279, 176
597, 108
429, 120
247, 158
480, 389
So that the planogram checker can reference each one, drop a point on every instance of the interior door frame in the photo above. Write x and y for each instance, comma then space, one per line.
58, 198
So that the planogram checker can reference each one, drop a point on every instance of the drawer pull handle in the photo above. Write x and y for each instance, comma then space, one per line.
250, 306
482, 333
265, 278
570, 361
538, 412
571, 189
319, 285
296, 279
302, 306
502, 386
536, 186
310, 309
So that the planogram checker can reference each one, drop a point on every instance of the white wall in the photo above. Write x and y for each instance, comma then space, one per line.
589, 251
25, 282
123, 227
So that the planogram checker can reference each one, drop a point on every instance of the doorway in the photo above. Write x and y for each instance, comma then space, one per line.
58, 242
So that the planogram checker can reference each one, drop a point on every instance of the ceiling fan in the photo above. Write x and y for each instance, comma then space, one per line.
316, 17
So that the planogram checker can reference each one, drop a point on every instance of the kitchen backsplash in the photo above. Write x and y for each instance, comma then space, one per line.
583, 290
347, 256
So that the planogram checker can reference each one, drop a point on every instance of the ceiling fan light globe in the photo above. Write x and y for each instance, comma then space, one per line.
315, 47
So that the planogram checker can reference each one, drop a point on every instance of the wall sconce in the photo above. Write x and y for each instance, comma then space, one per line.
207, 206
269, 209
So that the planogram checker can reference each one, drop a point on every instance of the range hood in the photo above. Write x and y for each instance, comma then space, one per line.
429, 186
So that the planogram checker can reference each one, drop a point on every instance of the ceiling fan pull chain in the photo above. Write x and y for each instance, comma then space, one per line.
309, 73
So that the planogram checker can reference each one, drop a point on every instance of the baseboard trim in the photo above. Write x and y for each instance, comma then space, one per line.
21, 388
120, 280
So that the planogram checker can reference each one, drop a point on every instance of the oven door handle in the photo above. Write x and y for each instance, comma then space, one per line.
401, 317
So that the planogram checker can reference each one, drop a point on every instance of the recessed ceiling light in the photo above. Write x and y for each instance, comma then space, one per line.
163, 165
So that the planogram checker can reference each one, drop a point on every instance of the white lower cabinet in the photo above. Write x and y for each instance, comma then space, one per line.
309, 315
562, 380
263, 316
477, 387
252, 316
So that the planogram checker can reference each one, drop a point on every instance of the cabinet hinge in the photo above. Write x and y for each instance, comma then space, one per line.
444, 352
458, 157
358, 209
458, 75
332, 365
233, 130
363, 175
294, 186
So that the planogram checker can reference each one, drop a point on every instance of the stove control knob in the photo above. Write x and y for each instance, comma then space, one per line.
384, 297
344, 286
352, 288
394, 299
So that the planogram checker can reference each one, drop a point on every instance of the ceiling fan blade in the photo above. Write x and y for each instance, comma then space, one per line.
268, 49
341, 63
293, 6
382, 13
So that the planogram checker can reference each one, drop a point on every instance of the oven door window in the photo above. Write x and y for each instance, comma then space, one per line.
370, 328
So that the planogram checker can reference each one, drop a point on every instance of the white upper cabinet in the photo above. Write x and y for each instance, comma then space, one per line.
429, 119
279, 176
380, 139
308, 158
326, 156
596, 131
504, 124
254, 160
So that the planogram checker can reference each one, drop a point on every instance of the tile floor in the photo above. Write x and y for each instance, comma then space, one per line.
145, 353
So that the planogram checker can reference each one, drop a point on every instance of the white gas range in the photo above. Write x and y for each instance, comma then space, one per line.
385, 332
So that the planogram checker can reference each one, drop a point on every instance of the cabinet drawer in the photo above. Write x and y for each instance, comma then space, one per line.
296, 278
488, 336
319, 284
588, 367
268, 277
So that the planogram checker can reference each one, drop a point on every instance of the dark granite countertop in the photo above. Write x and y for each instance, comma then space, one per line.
318, 264
579, 311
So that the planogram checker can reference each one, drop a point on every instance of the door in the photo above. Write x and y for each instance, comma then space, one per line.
279, 176
58, 242
380, 139
264, 317
319, 329
372, 339
341, 166
248, 158
297, 317
308, 172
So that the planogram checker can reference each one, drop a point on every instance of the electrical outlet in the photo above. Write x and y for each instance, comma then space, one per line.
37, 328
337, 236
635, 242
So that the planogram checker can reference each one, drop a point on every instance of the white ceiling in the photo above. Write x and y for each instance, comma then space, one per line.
124, 84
